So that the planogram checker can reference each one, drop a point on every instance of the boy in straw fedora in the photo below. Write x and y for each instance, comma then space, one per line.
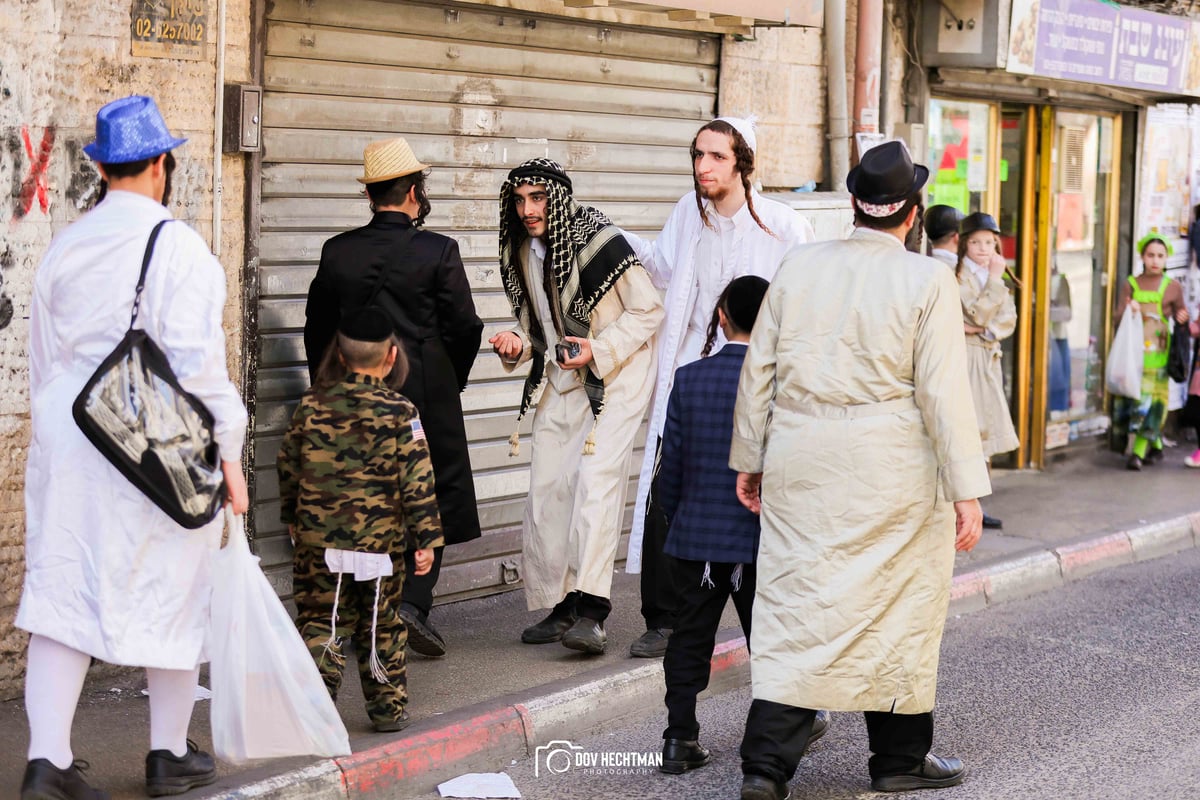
417, 278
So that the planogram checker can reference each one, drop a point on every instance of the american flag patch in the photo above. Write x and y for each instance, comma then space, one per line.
418, 431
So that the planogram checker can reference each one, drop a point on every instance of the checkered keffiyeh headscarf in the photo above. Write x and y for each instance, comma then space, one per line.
585, 255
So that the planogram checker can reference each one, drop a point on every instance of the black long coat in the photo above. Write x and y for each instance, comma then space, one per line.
428, 297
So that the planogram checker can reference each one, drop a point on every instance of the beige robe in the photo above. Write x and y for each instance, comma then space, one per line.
990, 307
854, 405
576, 503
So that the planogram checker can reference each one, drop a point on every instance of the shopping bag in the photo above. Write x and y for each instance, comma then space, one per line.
1179, 358
1123, 374
268, 699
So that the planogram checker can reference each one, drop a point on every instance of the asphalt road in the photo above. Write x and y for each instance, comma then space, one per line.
1091, 692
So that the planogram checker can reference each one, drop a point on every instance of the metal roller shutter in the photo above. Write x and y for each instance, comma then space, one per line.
475, 91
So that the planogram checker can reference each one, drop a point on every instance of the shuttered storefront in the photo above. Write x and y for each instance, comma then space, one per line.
475, 91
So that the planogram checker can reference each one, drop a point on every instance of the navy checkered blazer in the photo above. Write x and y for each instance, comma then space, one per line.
694, 485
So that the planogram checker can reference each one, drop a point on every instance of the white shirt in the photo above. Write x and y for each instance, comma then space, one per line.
981, 273
715, 261
949, 256
534, 278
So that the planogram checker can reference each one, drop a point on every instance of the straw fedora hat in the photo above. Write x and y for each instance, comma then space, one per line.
387, 160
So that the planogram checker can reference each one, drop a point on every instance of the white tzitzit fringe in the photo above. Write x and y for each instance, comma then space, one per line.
337, 596
374, 663
736, 578
706, 579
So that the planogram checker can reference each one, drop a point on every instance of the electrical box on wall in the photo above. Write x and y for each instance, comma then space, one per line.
965, 33
242, 128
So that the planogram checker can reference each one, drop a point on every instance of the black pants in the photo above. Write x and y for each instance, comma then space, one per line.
582, 604
689, 650
661, 588
776, 735
418, 589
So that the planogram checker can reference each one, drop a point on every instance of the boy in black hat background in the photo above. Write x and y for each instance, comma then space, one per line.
941, 228
356, 487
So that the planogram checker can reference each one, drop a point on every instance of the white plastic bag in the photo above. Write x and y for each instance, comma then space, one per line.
1125, 360
268, 698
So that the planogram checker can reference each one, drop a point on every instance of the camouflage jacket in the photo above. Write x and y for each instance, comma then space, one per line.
354, 471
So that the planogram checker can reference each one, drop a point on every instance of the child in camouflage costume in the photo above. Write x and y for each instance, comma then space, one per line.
356, 487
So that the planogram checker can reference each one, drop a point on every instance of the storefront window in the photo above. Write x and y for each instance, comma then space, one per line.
958, 148
1082, 173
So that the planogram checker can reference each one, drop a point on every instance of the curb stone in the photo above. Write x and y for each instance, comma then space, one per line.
485, 736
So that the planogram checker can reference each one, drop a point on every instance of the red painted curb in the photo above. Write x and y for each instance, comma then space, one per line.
1082, 556
730, 655
380, 768
968, 584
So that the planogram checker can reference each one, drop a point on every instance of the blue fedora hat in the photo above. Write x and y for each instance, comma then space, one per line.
130, 129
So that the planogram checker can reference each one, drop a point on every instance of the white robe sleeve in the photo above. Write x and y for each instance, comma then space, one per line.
191, 335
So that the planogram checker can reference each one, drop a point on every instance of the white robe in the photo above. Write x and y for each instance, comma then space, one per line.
107, 572
853, 402
671, 261
576, 502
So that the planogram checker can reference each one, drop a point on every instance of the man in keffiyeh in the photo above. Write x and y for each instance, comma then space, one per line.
587, 313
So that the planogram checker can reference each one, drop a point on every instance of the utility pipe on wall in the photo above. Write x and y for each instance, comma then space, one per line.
866, 66
835, 90
218, 125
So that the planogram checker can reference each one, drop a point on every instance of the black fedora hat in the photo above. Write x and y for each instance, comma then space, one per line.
941, 221
978, 221
886, 174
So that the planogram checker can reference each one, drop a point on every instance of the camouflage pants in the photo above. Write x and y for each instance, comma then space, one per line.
314, 588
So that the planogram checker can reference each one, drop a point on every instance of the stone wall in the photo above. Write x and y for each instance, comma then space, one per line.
61, 62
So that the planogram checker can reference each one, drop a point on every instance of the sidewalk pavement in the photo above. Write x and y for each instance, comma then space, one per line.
492, 699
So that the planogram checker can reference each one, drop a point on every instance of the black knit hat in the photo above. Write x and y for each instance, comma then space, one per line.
366, 324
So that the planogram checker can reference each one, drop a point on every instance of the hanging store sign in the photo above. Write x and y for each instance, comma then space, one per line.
169, 28
1094, 42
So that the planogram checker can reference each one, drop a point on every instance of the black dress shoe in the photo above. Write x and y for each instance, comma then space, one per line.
392, 725
819, 729
1153, 455
651, 644
935, 773
551, 629
44, 781
757, 787
167, 773
586, 636
992, 522
423, 638
680, 755
1134, 463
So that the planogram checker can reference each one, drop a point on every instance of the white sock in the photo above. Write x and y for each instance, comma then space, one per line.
172, 695
53, 681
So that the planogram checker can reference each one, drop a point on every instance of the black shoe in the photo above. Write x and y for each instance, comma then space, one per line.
992, 522
1153, 456
167, 773
651, 644
392, 725
680, 755
586, 636
935, 773
44, 781
551, 629
819, 729
757, 787
1134, 464
423, 638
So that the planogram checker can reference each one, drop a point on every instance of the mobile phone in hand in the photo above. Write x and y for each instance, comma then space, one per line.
565, 351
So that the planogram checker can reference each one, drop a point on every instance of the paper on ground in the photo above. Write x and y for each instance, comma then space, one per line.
479, 784
202, 693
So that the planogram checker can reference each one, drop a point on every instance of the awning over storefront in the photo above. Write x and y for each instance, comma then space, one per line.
716, 16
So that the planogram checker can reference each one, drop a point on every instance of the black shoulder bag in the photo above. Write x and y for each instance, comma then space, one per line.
158, 435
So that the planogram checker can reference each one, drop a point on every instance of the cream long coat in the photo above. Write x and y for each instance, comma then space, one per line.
106, 572
576, 503
990, 307
854, 405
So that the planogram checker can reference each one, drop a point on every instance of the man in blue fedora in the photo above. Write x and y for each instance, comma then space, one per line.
107, 574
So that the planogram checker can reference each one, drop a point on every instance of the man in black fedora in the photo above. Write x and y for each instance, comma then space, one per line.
857, 362
941, 229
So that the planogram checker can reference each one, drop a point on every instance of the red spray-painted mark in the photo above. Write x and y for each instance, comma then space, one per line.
35, 184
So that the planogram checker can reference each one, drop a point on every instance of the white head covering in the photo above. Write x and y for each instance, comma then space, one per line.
745, 127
